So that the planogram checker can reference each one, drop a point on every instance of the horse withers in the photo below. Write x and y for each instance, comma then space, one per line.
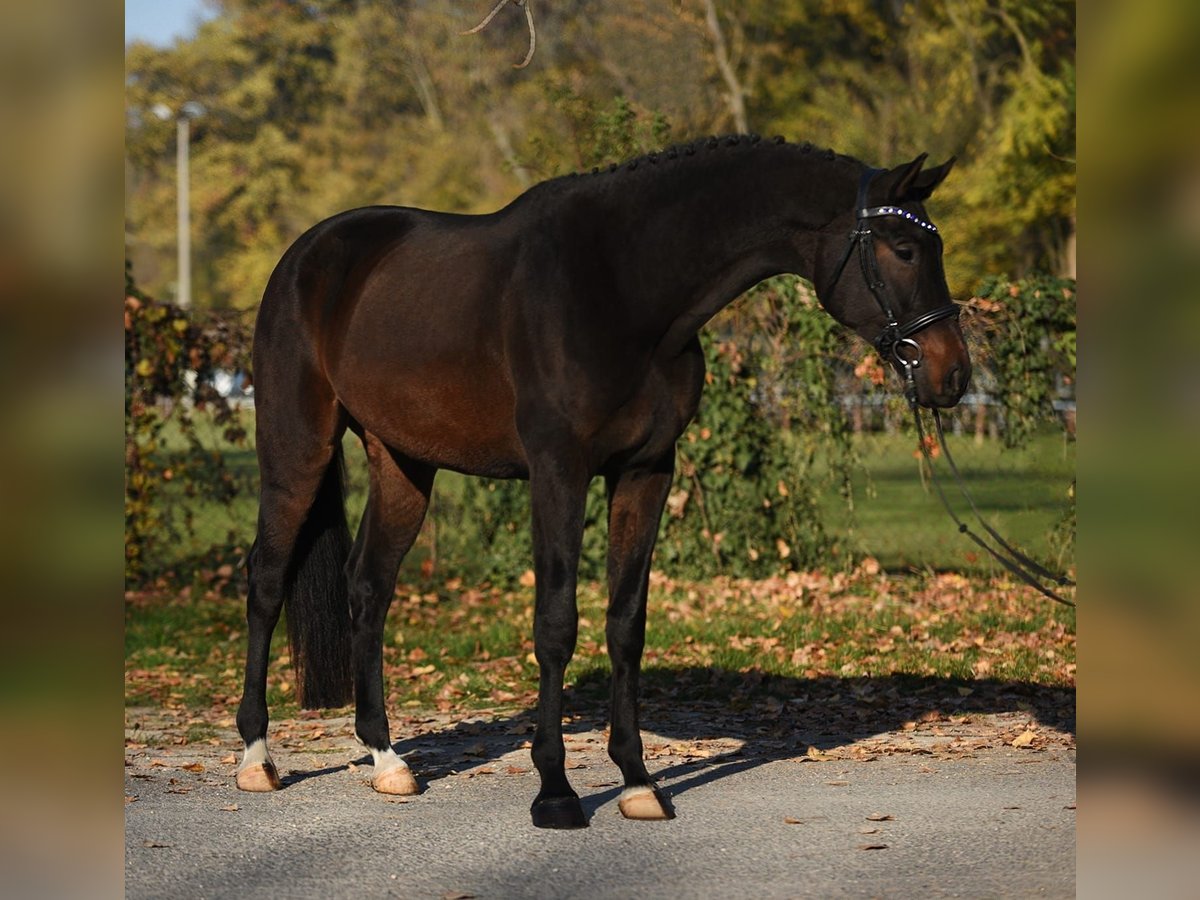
553, 340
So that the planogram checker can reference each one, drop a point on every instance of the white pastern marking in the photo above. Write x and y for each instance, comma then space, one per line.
256, 754
386, 760
637, 791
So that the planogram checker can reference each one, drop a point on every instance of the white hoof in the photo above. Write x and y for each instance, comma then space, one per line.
259, 778
392, 775
644, 804
257, 773
395, 781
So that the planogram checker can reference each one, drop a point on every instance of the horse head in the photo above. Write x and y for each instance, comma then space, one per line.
886, 282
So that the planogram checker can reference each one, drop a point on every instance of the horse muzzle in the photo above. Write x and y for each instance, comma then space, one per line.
935, 366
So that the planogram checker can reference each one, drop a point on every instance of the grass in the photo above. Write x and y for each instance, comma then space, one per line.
898, 518
452, 645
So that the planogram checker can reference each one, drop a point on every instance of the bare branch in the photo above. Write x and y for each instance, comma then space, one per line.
736, 92
482, 25
524, 4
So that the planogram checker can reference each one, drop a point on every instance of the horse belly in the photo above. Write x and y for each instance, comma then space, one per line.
438, 419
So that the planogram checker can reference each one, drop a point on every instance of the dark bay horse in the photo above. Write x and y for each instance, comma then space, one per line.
554, 340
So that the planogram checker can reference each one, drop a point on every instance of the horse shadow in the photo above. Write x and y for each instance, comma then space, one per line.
767, 717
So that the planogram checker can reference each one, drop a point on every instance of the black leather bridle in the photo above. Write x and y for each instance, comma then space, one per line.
896, 339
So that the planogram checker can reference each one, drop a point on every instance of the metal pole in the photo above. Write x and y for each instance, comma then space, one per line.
183, 135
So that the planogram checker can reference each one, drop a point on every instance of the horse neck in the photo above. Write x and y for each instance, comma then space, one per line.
696, 238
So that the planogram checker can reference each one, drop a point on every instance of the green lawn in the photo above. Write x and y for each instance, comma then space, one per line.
896, 518
452, 643
900, 521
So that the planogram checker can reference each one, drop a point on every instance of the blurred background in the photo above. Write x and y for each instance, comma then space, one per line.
296, 110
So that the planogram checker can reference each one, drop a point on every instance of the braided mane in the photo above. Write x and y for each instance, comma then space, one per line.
701, 147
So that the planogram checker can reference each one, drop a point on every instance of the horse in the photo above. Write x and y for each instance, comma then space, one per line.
554, 340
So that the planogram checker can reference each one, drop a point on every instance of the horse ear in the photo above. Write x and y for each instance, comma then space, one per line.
910, 183
902, 179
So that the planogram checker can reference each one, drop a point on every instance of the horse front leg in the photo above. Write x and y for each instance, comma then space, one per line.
558, 491
635, 502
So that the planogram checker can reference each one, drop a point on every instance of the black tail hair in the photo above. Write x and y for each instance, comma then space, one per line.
318, 605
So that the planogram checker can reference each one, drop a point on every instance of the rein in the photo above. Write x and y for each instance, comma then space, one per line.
896, 341
1016, 562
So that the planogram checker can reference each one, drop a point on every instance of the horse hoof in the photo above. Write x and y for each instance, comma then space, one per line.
645, 804
395, 781
259, 778
558, 812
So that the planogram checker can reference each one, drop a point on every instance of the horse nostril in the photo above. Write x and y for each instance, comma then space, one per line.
953, 383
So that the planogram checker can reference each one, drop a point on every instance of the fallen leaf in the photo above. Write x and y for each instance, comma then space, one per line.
837, 783
866, 830
517, 770
872, 846
193, 767
880, 817
1024, 739
229, 760
232, 807
789, 820
457, 895
129, 799
154, 844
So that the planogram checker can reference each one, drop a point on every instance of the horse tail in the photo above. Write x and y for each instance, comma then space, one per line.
318, 604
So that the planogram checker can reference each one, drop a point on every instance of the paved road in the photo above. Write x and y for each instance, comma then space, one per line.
997, 822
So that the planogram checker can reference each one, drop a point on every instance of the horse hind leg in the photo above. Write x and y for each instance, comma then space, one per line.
282, 524
300, 548
636, 499
397, 500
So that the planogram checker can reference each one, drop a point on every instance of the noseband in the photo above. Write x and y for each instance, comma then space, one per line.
896, 339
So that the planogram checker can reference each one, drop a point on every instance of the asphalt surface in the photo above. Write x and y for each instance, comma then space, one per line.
998, 821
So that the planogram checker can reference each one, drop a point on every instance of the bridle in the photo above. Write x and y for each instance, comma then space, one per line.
896, 339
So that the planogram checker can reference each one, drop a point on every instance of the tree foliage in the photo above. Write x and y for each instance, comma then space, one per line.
317, 106
170, 461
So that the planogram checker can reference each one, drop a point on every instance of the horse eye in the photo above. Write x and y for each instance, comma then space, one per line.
905, 253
